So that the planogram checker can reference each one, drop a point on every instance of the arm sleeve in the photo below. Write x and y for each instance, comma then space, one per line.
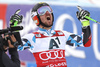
87, 36
79, 40
14, 61
28, 42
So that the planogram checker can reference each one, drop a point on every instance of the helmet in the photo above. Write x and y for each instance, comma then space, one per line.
36, 15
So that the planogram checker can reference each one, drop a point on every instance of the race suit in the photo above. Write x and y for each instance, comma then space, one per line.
48, 46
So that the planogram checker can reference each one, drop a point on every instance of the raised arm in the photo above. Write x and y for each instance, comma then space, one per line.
85, 38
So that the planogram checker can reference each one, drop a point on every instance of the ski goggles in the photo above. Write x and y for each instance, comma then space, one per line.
42, 10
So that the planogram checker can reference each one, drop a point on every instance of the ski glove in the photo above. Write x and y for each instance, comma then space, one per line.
81, 17
16, 19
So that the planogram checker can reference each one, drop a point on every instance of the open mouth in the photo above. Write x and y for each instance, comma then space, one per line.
48, 18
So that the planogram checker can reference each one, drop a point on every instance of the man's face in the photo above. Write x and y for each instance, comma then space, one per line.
47, 19
45, 13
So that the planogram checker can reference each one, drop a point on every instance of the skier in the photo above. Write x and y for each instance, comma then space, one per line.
48, 45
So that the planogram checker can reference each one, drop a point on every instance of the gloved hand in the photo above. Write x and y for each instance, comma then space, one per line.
16, 19
81, 16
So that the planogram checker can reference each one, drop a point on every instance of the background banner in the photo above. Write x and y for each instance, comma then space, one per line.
64, 19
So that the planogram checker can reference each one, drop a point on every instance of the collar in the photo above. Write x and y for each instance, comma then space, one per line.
45, 31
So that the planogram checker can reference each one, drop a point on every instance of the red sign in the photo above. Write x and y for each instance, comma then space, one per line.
3, 9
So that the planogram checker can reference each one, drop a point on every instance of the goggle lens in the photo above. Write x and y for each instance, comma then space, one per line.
42, 10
